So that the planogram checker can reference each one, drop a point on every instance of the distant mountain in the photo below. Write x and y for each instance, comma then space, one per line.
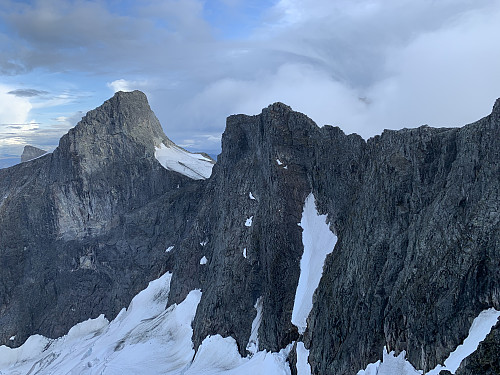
302, 250
31, 152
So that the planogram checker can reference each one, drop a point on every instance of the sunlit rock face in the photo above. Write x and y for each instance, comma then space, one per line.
411, 219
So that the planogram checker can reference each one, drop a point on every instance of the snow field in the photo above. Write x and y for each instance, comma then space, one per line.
143, 339
174, 158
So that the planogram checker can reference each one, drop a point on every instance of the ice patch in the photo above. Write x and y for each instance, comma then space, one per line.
253, 341
203, 260
169, 249
250, 195
318, 242
303, 367
392, 365
174, 158
248, 222
245, 252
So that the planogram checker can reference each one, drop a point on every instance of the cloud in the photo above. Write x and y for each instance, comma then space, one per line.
364, 65
27, 93
13, 109
124, 85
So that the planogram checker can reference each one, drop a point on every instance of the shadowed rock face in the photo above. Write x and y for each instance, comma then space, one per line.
31, 152
416, 213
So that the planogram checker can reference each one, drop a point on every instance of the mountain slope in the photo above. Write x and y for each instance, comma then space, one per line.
414, 214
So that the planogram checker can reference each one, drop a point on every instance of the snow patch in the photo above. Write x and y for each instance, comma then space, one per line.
253, 341
248, 222
203, 260
174, 158
250, 195
12, 338
279, 162
318, 242
398, 365
390, 365
245, 252
303, 367
169, 249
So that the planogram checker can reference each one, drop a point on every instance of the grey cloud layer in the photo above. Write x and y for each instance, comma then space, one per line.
365, 65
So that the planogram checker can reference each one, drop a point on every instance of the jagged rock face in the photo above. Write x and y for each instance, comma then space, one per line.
85, 228
417, 253
31, 152
416, 213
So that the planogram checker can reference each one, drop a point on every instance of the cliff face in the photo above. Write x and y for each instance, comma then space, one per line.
85, 228
417, 257
416, 213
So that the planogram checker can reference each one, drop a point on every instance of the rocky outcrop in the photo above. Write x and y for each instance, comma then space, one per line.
416, 213
31, 152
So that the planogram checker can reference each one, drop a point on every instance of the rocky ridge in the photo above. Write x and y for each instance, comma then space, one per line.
416, 213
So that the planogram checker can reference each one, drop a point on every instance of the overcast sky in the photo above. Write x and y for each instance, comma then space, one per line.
362, 65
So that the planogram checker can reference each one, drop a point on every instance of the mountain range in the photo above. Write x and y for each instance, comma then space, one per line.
300, 250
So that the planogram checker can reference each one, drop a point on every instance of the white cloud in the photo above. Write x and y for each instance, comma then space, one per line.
13, 109
364, 65
125, 85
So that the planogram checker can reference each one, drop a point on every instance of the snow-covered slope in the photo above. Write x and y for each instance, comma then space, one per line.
143, 339
174, 158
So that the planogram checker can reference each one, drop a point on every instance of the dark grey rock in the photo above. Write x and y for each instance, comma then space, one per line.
31, 152
416, 213
85, 228
417, 257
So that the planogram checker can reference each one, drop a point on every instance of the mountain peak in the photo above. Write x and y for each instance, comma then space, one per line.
496, 107
31, 152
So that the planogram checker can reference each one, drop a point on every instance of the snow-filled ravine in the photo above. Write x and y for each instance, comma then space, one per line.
143, 339
318, 241
174, 158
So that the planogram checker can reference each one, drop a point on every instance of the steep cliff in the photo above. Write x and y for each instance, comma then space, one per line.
84, 228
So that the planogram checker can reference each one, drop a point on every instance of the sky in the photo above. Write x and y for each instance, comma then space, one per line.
363, 65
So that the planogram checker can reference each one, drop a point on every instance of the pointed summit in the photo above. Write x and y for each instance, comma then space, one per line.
31, 152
